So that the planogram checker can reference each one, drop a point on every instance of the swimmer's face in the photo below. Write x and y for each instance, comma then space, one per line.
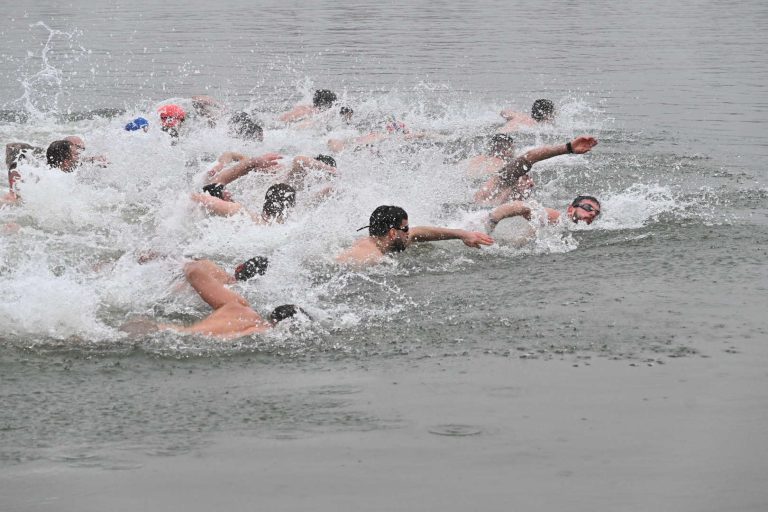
399, 237
585, 211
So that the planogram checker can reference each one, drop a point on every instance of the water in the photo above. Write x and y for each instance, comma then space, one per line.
676, 95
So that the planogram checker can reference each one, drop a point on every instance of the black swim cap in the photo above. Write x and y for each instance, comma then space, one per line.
502, 138
326, 159
251, 268
323, 98
385, 218
587, 198
215, 189
242, 125
278, 199
286, 311
542, 109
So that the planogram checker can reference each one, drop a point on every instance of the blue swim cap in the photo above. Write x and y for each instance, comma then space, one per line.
136, 124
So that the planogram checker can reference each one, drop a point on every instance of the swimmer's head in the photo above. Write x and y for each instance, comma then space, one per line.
326, 159
543, 110
137, 124
323, 99
280, 313
584, 209
384, 218
278, 199
346, 114
171, 117
502, 145
251, 268
243, 126
61, 154
218, 190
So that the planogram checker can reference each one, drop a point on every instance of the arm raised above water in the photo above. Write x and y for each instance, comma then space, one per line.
435, 234
267, 162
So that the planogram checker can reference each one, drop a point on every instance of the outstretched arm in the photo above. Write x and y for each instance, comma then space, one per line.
218, 206
523, 164
266, 163
297, 113
434, 234
226, 158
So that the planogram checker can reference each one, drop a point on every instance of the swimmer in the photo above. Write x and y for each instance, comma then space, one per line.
79, 144
322, 101
389, 232
207, 108
243, 126
171, 119
137, 124
506, 182
582, 209
501, 151
62, 155
232, 316
279, 199
542, 111
391, 128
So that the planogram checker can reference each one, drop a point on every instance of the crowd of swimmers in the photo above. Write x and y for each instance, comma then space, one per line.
506, 187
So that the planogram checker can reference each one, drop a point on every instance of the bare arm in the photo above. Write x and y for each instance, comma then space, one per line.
523, 164
434, 234
266, 162
225, 158
297, 113
218, 206
513, 209
510, 114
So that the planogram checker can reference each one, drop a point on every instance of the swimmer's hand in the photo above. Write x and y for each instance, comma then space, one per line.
476, 239
583, 144
266, 162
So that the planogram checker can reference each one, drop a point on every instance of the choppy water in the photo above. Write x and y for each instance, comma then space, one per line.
675, 266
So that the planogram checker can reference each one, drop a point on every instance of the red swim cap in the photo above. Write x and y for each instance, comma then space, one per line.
171, 115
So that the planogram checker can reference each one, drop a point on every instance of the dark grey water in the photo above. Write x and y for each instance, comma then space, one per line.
675, 93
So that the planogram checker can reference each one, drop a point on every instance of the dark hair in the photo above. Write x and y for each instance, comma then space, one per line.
278, 199
254, 266
326, 159
286, 311
242, 125
385, 218
323, 98
215, 189
582, 198
58, 152
501, 139
346, 111
542, 109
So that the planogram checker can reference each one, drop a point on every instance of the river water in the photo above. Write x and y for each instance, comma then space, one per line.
675, 267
